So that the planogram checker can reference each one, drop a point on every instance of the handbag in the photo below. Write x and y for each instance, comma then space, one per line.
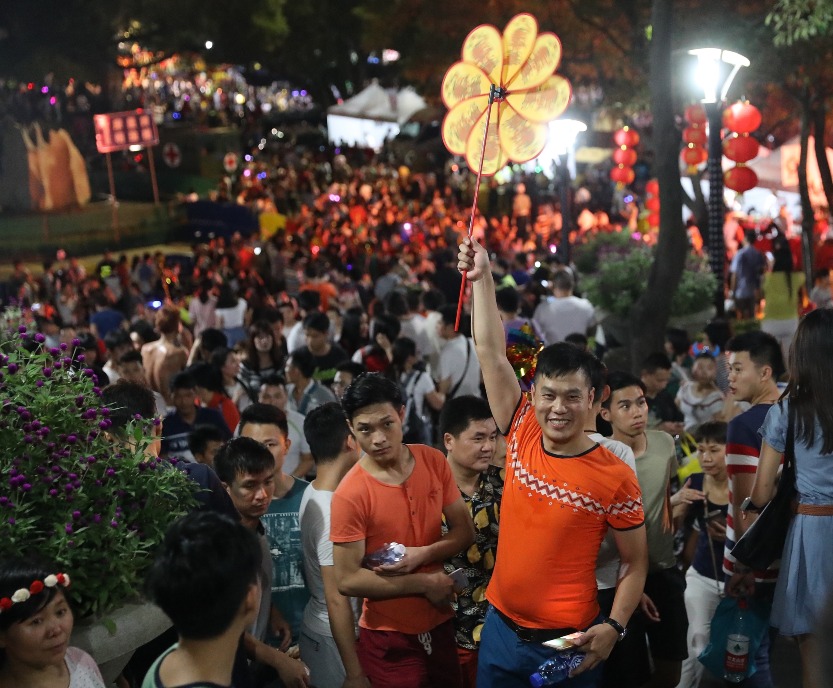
763, 542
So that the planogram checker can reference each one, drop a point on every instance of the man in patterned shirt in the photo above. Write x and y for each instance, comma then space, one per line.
562, 493
470, 437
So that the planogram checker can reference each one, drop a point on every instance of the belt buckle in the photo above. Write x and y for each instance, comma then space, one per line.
525, 634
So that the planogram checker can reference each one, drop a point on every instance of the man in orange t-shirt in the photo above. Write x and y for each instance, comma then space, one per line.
398, 493
562, 492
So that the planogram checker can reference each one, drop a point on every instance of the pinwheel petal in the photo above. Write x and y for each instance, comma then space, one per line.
483, 47
464, 80
520, 139
460, 122
493, 156
544, 103
518, 42
541, 63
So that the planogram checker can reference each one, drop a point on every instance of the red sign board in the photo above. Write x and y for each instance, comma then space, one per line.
117, 131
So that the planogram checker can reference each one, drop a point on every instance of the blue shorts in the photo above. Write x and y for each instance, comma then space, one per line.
506, 661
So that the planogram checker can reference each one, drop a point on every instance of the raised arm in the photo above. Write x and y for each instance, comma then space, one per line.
502, 388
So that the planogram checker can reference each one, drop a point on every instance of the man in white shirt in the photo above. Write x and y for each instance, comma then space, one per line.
328, 629
458, 372
298, 460
565, 313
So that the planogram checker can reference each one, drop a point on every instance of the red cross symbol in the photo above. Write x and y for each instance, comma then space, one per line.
230, 162
171, 154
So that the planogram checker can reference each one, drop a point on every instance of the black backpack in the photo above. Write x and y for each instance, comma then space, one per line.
416, 429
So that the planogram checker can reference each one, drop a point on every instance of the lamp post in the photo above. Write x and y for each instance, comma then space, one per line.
716, 69
561, 142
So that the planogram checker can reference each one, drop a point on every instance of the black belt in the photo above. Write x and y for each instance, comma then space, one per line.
533, 635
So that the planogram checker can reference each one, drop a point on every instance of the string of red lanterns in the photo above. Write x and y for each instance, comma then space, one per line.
741, 119
624, 156
695, 137
652, 202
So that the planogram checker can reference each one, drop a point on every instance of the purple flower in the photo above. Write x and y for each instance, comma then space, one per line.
54, 351
56, 469
110, 472
53, 492
91, 459
38, 383
26, 487
104, 411
47, 372
68, 488
63, 346
72, 439
39, 338
80, 358
21, 329
106, 423
79, 400
68, 528
13, 368
88, 372
114, 523
4, 501
27, 439
76, 515
12, 521
76, 342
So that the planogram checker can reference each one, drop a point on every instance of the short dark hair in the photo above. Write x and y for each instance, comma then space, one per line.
619, 379
577, 338
317, 321
508, 300
385, 324
309, 300
561, 359
219, 356
563, 280
273, 380
396, 304
304, 361
654, 362
126, 400
368, 389
678, 339
711, 431
355, 369
201, 435
326, 431
763, 350
17, 572
718, 331
448, 313
460, 412
183, 380
116, 338
242, 456
264, 414
211, 339
598, 377
202, 573
432, 299
131, 356
207, 376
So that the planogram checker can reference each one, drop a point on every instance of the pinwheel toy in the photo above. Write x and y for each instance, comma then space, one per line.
500, 97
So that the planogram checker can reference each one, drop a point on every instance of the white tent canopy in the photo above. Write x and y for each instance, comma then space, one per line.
372, 116
778, 169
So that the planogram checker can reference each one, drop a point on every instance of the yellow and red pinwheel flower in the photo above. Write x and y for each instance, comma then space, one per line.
521, 63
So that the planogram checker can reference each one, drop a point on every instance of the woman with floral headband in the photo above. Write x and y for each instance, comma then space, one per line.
35, 627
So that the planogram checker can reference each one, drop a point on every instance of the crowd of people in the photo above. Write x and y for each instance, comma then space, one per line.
320, 377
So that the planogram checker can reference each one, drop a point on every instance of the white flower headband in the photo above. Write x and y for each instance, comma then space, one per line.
35, 588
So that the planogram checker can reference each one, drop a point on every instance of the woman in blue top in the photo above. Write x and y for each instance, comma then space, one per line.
704, 547
806, 577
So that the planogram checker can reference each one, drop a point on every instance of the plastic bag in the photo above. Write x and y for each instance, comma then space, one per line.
757, 624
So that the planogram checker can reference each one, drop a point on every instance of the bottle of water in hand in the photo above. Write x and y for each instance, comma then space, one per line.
556, 669
736, 662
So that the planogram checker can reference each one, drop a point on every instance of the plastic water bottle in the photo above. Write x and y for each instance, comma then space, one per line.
736, 662
556, 669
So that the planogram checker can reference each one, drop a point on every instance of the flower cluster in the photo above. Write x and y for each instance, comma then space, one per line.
70, 493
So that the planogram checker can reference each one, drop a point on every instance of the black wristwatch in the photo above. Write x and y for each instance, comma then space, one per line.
619, 628
749, 505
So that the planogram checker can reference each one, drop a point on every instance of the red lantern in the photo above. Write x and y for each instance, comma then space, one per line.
695, 135
742, 117
624, 156
652, 187
695, 114
652, 203
622, 175
653, 219
693, 155
626, 137
740, 178
740, 147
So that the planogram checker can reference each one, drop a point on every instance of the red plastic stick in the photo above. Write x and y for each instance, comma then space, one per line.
493, 91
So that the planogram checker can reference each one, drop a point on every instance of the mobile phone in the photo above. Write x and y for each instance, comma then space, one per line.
565, 642
461, 580
717, 513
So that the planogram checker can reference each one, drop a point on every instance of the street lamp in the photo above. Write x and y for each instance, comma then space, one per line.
561, 145
716, 69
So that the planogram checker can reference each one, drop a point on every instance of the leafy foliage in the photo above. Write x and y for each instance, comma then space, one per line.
622, 277
68, 493
795, 21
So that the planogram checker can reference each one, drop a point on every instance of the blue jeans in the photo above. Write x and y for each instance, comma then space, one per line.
506, 661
